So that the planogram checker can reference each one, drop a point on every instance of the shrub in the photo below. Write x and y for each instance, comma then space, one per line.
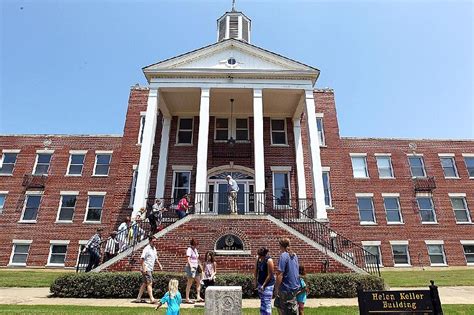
126, 284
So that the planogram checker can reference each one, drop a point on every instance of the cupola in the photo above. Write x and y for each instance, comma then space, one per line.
233, 24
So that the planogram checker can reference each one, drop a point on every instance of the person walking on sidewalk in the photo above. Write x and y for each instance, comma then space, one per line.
93, 248
232, 190
264, 280
147, 263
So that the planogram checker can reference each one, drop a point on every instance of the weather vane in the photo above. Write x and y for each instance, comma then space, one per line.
233, 5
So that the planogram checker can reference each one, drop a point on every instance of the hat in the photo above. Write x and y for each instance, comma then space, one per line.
228, 176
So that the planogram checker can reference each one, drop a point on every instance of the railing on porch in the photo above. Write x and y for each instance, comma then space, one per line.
294, 214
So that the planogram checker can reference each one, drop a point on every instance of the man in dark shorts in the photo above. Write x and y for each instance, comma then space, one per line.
147, 262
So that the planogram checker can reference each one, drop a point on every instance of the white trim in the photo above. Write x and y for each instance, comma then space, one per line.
59, 242
358, 154
78, 151
467, 242
280, 168
424, 194
319, 115
4, 192
371, 243
82, 242
45, 151
391, 195
364, 195
104, 152
17, 151
95, 163
62, 192
326, 169
182, 167
398, 242
446, 155
468, 154
16, 241
414, 154
141, 128
33, 192
382, 154
457, 194
434, 242
192, 131
232, 252
95, 193
19, 242
285, 130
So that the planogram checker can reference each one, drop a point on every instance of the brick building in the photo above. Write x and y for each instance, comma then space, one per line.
232, 108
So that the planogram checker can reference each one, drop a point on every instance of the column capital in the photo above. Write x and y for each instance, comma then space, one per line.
153, 92
205, 92
257, 93
309, 94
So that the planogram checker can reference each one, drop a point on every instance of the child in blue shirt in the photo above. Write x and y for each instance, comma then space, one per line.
301, 296
172, 297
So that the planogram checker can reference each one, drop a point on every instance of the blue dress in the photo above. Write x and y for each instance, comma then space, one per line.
173, 303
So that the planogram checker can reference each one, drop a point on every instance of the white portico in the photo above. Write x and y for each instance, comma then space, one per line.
204, 82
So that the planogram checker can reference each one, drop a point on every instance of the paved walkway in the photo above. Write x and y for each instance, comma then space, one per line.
39, 296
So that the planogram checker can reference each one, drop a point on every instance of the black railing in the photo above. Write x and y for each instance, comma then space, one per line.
223, 202
294, 214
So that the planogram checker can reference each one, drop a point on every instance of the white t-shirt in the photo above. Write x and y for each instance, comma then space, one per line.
193, 257
150, 255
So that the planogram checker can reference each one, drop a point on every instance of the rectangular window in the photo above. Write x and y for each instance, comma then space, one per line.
436, 253
66, 207
43, 161
392, 209
374, 250
426, 208
469, 161
222, 129
32, 203
102, 164
57, 254
449, 167
400, 254
241, 129
359, 167
327, 189
461, 211
94, 208
469, 253
185, 131
133, 187
19, 254
142, 128
182, 184
417, 166
8, 164
3, 196
319, 124
278, 131
366, 209
384, 165
76, 163
281, 189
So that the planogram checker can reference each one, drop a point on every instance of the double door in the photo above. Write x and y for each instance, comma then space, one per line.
219, 198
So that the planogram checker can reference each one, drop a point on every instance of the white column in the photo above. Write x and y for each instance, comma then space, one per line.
201, 168
299, 158
317, 172
163, 161
146, 152
258, 143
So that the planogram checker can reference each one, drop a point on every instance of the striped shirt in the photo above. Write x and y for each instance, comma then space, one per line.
111, 246
94, 243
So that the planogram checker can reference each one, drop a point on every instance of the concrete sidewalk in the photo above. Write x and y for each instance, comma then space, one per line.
39, 296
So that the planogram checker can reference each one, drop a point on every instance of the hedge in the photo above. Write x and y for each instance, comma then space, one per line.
126, 284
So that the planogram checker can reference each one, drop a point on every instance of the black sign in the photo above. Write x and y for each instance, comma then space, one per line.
400, 302
229, 242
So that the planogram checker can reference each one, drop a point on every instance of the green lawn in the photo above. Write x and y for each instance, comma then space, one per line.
28, 278
50, 309
421, 278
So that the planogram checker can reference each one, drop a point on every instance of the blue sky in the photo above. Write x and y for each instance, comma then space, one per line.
399, 68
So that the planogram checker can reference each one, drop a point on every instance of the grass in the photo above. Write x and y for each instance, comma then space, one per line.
421, 278
62, 309
28, 278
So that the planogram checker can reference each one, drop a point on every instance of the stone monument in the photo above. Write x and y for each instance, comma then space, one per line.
223, 300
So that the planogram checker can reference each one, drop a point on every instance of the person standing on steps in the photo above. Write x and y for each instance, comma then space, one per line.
183, 207
93, 247
232, 190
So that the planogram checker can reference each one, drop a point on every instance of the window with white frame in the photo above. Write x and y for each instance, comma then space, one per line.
436, 253
469, 161
181, 184
57, 253
468, 248
222, 129
372, 254
327, 189
401, 256
43, 161
461, 210
142, 128
320, 126
417, 166
426, 209
67, 204
31, 206
241, 129
3, 196
20, 250
449, 166
76, 163
133, 186
95, 206
365, 206
359, 166
8, 162
392, 208
384, 166
185, 131
278, 131
102, 163
281, 188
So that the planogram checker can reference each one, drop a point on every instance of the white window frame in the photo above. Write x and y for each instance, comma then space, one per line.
360, 155
285, 131
384, 155
426, 195
422, 164
38, 152
2, 206
463, 196
76, 152
467, 242
95, 162
216, 129
94, 193
19, 242
53, 243
321, 134
61, 194
469, 156
328, 171
181, 169
234, 129
17, 152
133, 187
436, 242
373, 243
142, 128
281, 170
192, 132
366, 195
400, 243
397, 196
27, 194
453, 159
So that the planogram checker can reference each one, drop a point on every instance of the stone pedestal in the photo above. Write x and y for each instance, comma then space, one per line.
223, 300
